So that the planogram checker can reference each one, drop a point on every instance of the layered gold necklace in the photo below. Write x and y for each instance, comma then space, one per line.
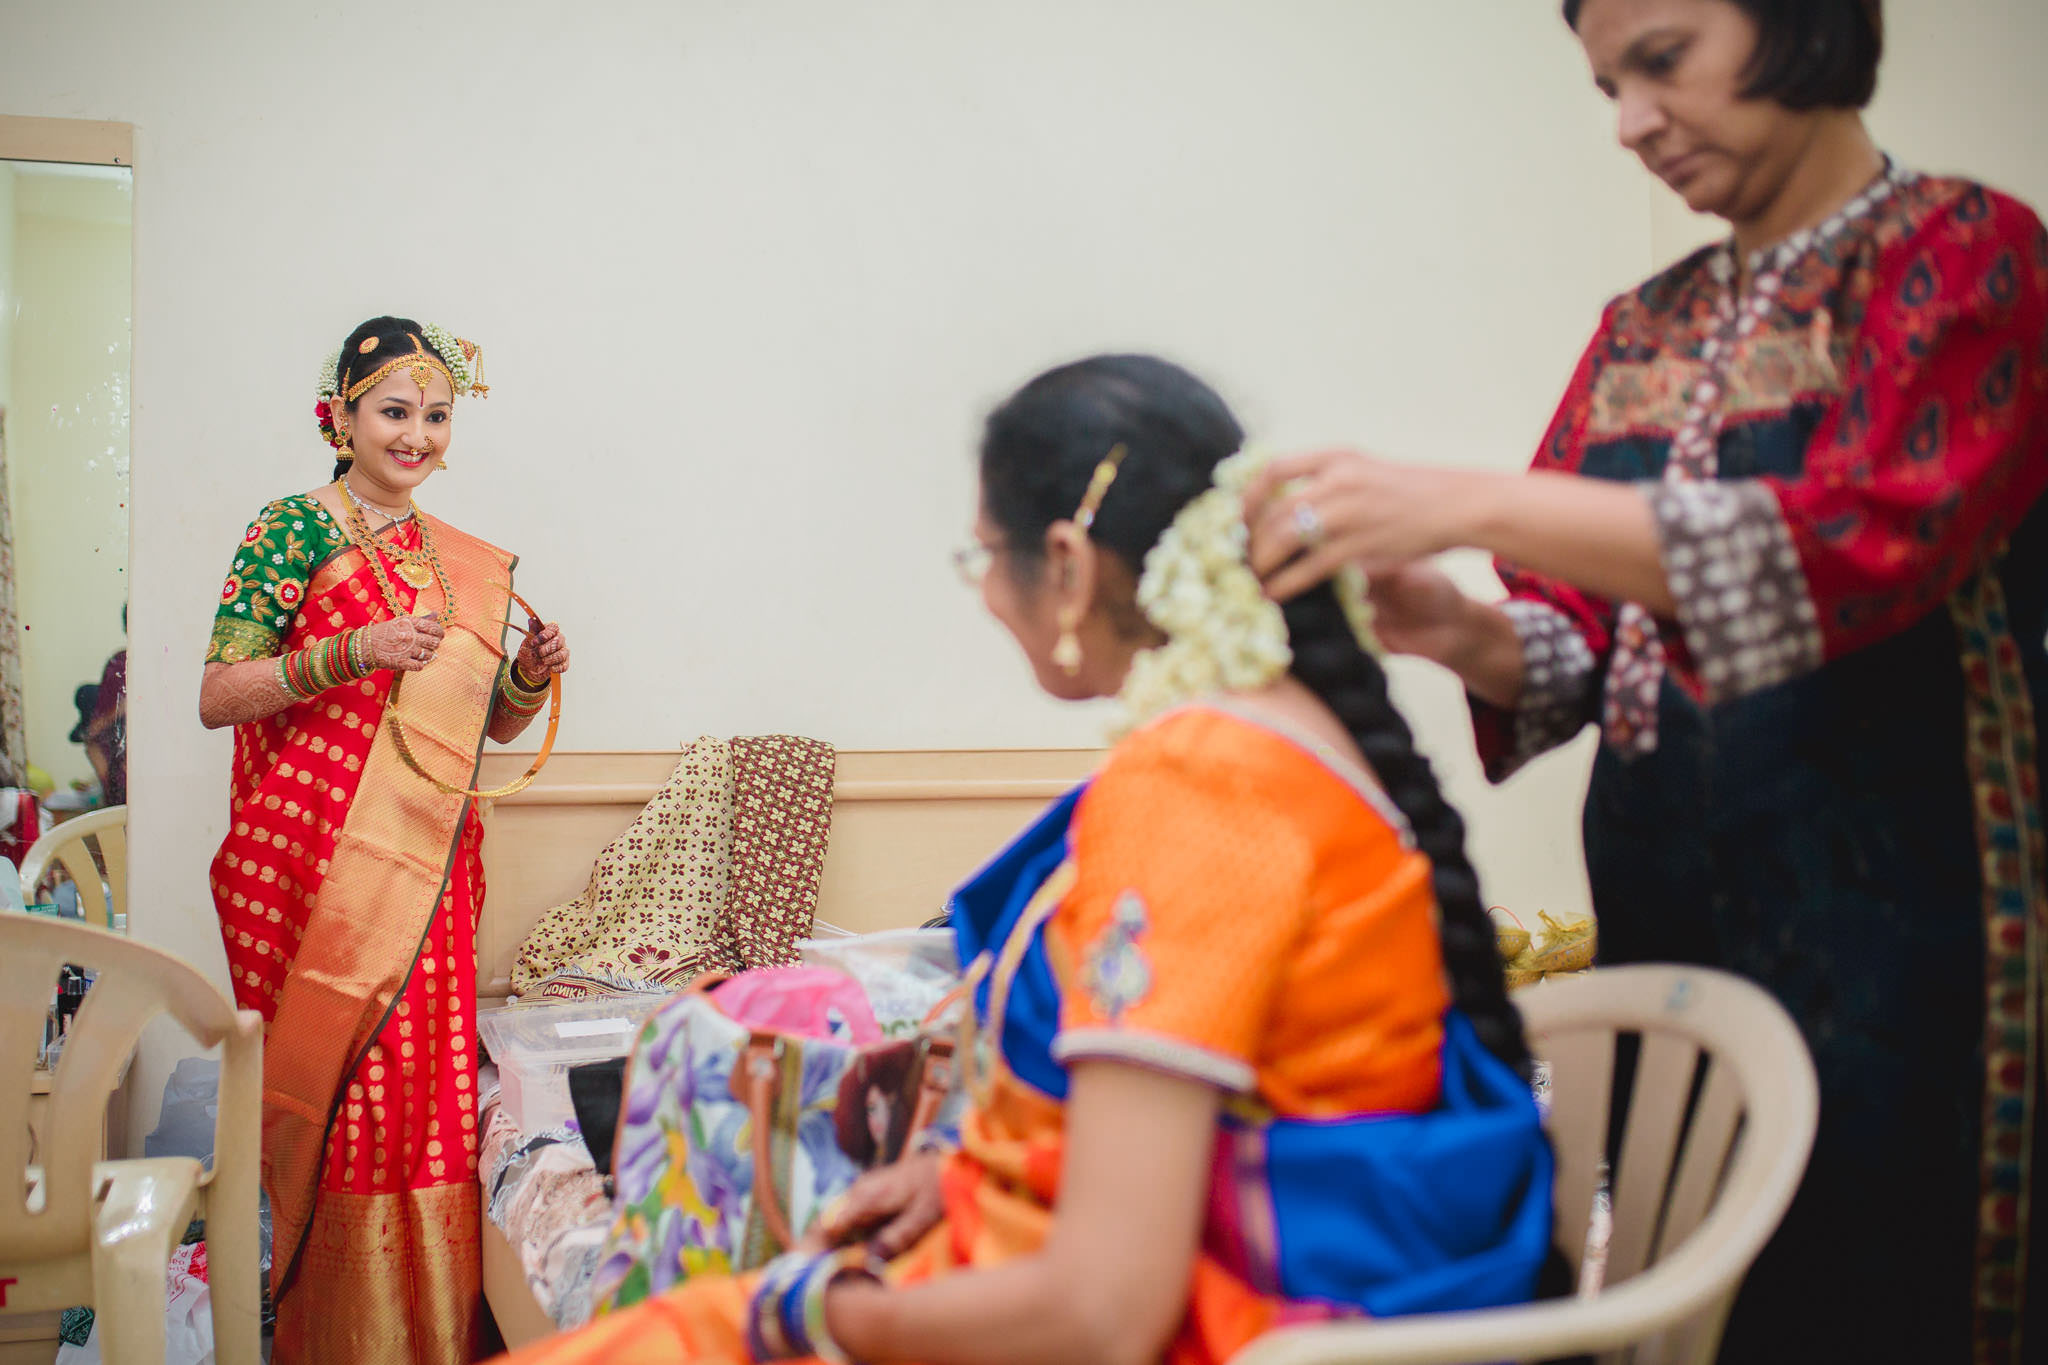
419, 568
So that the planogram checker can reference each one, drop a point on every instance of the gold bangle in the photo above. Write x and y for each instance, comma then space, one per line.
515, 680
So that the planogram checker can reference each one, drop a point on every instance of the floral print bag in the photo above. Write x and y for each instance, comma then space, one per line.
746, 1110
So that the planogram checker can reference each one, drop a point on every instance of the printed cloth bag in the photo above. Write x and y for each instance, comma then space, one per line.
750, 1103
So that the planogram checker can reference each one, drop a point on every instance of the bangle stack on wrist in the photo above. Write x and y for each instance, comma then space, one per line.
519, 697
786, 1316
338, 659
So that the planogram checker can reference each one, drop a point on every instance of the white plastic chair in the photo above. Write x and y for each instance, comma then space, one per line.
1694, 1201
74, 1230
70, 846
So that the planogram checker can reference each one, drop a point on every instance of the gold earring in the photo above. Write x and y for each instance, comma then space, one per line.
1066, 651
343, 453
440, 464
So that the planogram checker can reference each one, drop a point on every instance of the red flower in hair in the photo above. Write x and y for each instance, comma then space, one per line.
323, 413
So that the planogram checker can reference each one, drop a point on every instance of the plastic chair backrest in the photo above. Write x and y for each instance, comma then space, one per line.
70, 846
133, 984
1720, 1122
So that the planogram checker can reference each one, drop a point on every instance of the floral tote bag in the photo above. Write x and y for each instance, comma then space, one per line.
749, 1104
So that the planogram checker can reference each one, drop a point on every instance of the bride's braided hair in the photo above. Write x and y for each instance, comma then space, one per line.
1038, 451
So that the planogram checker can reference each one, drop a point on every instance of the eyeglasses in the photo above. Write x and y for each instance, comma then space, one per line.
972, 561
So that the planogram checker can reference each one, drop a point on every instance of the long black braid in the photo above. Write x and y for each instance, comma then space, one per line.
1329, 661
1038, 451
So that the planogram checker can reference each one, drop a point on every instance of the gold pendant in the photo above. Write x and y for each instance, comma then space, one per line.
419, 575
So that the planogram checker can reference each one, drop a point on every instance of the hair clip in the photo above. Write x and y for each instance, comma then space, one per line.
1098, 487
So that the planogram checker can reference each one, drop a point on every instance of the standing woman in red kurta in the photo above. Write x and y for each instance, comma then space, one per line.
1786, 546
350, 881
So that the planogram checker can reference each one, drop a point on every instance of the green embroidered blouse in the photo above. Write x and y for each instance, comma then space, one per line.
267, 585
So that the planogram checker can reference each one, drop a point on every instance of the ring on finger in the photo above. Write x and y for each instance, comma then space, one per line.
1308, 525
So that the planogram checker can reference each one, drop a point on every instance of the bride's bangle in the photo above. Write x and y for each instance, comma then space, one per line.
515, 700
517, 680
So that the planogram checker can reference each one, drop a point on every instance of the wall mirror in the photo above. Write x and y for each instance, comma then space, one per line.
66, 290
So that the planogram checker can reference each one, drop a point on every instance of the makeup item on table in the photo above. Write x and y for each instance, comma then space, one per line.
71, 987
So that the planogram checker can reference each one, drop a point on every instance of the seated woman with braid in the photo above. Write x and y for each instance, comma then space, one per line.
1239, 1053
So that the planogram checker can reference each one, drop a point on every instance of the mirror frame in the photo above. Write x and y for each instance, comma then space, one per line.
78, 141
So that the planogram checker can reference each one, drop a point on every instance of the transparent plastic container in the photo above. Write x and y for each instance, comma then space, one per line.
535, 1044
905, 972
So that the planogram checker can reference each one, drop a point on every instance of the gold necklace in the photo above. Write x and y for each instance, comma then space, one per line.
419, 568
413, 565
411, 569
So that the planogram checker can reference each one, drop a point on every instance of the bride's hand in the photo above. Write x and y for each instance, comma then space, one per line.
407, 643
545, 653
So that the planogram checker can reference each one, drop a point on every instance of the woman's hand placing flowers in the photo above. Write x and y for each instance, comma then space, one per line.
1309, 515
1595, 534
1363, 510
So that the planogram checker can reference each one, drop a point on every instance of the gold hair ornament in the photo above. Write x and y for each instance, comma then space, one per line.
459, 359
422, 362
1098, 486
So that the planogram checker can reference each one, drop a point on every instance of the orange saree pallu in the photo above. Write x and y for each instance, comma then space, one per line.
348, 890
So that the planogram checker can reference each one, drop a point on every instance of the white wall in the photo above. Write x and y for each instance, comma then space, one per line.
1964, 91
68, 444
747, 276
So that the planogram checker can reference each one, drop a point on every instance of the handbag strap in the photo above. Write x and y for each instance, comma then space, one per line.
935, 1081
760, 1072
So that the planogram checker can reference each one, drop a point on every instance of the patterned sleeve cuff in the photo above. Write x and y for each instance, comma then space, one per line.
1742, 596
1560, 677
1156, 1052
235, 641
